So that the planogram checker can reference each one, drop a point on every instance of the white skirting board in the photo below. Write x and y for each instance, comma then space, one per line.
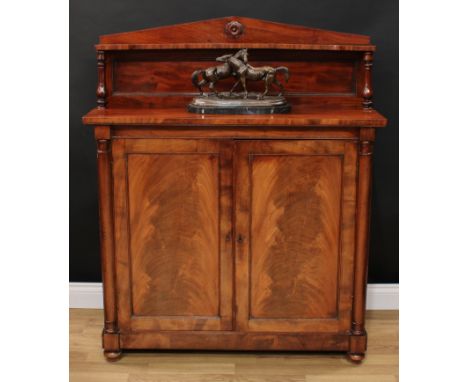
89, 295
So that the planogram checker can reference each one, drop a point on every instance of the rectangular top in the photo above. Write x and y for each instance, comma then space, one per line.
300, 116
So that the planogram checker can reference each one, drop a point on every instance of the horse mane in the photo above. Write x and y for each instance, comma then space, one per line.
240, 53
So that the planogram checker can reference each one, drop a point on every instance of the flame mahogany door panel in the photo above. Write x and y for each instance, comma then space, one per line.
295, 206
173, 213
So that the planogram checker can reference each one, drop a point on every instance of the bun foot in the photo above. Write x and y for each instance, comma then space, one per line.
112, 356
356, 357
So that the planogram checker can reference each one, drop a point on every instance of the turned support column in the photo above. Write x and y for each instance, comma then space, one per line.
367, 91
358, 338
101, 86
110, 334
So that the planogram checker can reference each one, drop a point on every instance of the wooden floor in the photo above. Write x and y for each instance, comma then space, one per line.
88, 364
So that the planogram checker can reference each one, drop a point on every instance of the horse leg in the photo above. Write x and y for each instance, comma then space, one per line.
268, 80
235, 86
200, 86
280, 86
212, 88
246, 93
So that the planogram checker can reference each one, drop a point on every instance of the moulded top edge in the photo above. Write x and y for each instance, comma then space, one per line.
341, 47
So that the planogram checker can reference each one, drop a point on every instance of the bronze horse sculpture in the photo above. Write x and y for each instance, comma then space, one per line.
212, 74
244, 71
236, 65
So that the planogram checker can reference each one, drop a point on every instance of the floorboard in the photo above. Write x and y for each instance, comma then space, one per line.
88, 364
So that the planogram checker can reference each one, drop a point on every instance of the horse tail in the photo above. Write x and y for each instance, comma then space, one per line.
195, 77
285, 70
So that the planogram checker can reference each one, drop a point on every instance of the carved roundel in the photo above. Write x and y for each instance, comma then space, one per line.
234, 29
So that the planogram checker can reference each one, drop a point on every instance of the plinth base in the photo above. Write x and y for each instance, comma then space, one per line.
224, 103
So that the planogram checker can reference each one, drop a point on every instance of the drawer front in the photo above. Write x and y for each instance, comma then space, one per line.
295, 205
173, 209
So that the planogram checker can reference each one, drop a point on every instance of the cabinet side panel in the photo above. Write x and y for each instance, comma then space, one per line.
174, 230
295, 236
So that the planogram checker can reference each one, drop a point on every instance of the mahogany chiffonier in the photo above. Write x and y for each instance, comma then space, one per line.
234, 232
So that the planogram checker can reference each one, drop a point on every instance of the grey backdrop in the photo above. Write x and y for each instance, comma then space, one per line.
91, 18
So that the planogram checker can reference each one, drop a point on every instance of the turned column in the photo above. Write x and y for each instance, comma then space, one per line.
101, 86
367, 91
110, 334
358, 339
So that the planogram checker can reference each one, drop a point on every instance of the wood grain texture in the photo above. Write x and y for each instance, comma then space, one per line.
362, 240
157, 78
142, 68
234, 132
221, 340
234, 231
168, 102
295, 235
233, 45
87, 363
143, 78
210, 33
174, 224
173, 212
207, 55
297, 225
305, 115
106, 231
160, 78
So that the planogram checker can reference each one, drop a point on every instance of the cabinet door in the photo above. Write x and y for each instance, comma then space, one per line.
295, 204
172, 206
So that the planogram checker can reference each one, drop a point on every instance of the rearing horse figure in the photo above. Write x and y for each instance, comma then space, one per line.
212, 74
244, 71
